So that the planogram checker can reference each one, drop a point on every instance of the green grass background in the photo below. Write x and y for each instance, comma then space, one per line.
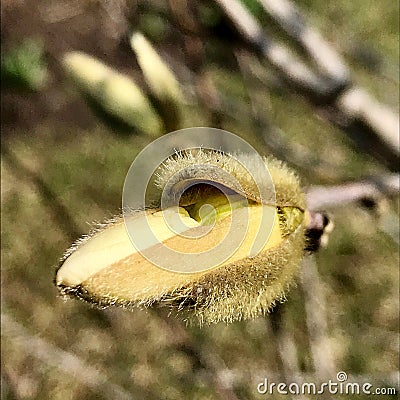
60, 174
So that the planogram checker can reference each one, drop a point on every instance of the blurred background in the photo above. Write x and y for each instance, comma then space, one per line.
314, 83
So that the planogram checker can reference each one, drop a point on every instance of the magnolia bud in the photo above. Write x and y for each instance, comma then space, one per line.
216, 196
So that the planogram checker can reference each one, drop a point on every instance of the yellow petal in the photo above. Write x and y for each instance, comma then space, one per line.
107, 266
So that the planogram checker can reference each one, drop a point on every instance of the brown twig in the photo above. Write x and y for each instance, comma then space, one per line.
368, 193
370, 190
291, 20
373, 127
294, 71
272, 136
354, 104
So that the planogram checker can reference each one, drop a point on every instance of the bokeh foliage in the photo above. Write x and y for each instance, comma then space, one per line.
63, 168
